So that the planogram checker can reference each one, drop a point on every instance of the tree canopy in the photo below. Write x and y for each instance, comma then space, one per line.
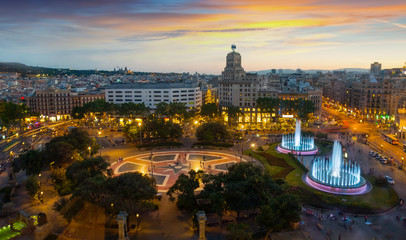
301, 107
212, 132
209, 110
11, 113
100, 107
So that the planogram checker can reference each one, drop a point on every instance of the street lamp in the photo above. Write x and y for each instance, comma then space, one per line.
381, 148
139, 124
89, 151
402, 161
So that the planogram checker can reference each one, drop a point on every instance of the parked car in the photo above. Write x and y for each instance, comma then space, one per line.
383, 161
371, 153
389, 180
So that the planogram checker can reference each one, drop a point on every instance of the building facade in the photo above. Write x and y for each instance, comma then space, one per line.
241, 89
59, 102
151, 94
238, 88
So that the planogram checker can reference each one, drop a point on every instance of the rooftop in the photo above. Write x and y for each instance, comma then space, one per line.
151, 85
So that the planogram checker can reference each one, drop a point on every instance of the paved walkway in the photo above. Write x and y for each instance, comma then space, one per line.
168, 165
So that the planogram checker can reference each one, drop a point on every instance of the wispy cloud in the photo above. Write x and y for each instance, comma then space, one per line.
151, 28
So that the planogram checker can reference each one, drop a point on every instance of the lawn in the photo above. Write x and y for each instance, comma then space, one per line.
324, 146
7, 233
381, 196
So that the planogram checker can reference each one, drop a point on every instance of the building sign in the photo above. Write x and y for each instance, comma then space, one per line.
287, 116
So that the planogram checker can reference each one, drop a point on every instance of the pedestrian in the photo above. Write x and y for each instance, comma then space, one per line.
366, 218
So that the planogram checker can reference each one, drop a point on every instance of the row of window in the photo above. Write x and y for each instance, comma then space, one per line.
176, 91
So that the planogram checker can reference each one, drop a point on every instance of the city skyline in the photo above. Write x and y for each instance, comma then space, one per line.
190, 36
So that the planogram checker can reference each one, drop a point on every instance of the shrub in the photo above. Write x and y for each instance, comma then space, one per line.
6, 191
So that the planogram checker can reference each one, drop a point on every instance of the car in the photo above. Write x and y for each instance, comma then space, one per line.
390, 180
378, 156
383, 161
371, 153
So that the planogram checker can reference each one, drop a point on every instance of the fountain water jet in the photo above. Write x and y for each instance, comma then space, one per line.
338, 175
297, 144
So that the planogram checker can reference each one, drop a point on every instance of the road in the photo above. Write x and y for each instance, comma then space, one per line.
374, 143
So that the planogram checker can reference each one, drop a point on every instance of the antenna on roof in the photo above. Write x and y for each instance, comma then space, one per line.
233, 47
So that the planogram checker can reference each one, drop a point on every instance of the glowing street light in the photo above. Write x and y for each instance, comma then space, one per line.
89, 151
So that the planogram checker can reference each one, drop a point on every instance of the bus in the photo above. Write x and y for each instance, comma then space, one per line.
391, 139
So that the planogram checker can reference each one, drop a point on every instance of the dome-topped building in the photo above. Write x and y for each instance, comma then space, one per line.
233, 70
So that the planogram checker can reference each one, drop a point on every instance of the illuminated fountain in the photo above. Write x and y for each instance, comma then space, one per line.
338, 175
297, 144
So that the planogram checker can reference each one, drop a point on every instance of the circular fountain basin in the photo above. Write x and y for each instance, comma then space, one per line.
360, 188
281, 149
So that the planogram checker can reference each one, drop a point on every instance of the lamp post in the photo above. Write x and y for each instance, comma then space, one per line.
89, 151
381, 148
402, 161
139, 124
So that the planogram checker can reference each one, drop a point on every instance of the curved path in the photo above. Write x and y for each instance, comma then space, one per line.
167, 166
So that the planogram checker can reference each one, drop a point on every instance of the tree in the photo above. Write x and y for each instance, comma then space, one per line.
212, 132
60, 153
214, 190
279, 212
155, 129
131, 192
172, 110
11, 113
32, 185
63, 185
32, 162
79, 171
305, 108
233, 113
209, 110
183, 191
268, 105
92, 189
239, 231
247, 187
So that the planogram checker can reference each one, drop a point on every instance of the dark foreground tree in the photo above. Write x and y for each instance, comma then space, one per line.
280, 212
183, 191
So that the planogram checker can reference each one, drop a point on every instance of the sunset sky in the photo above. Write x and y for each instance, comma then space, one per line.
190, 36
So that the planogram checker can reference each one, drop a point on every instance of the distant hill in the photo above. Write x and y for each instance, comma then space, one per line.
312, 71
24, 70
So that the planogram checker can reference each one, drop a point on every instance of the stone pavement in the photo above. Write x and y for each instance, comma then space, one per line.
384, 226
167, 166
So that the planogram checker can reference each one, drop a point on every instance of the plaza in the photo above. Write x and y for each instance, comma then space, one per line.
166, 166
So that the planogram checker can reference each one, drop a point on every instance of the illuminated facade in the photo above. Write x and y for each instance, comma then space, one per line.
151, 94
238, 88
241, 89
59, 102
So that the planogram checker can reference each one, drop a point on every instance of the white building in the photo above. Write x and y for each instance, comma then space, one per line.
151, 94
